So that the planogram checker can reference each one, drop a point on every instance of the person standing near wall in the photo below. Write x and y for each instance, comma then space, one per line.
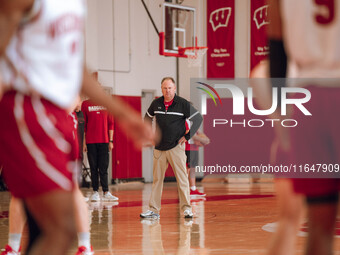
171, 111
98, 141
191, 151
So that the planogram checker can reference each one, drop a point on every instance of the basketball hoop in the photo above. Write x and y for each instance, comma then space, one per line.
194, 55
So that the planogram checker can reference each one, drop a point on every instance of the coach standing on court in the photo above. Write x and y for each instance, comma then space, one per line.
171, 111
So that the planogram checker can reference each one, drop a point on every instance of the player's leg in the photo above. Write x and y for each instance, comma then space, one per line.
34, 230
82, 221
16, 219
54, 213
315, 145
192, 177
42, 176
193, 162
290, 206
322, 213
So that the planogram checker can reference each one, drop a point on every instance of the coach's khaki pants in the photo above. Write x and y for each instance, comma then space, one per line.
177, 159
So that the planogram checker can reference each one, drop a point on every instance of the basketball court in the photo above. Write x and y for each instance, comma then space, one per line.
232, 219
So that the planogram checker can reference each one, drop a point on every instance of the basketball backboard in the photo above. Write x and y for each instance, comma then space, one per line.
179, 26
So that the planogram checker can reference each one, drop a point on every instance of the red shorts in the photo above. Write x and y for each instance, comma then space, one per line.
316, 140
37, 146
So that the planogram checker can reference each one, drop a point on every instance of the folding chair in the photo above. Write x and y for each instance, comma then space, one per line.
86, 174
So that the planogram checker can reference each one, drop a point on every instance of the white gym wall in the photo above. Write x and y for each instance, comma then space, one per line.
122, 45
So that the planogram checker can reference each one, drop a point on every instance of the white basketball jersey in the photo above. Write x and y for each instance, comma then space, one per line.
311, 32
45, 56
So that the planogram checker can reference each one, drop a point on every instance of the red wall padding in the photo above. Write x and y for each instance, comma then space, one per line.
126, 160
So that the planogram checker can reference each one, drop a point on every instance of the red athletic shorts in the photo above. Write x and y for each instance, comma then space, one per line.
316, 140
37, 146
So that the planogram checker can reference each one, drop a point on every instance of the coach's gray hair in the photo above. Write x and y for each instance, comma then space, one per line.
168, 78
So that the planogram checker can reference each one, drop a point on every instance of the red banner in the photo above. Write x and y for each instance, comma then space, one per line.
258, 43
220, 34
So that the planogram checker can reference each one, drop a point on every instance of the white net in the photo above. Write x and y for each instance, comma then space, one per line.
195, 56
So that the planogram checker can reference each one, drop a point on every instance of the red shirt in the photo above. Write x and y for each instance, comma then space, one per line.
97, 122
167, 104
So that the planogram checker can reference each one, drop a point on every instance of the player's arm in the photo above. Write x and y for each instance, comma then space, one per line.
130, 120
11, 13
277, 55
275, 66
196, 120
149, 115
201, 138
111, 140
110, 128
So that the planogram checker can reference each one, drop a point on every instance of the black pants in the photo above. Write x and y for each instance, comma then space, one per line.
98, 156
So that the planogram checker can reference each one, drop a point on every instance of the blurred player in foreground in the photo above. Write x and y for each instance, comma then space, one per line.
42, 72
306, 34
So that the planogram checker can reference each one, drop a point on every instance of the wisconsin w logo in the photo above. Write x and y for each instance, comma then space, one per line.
220, 18
261, 16
208, 92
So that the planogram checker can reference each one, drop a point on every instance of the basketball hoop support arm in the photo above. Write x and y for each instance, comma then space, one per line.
152, 21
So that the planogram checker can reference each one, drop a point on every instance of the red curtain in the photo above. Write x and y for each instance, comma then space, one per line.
220, 34
259, 20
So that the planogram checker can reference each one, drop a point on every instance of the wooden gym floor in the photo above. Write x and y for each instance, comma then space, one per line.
233, 219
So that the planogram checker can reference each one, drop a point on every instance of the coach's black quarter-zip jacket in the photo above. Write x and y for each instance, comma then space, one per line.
171, 122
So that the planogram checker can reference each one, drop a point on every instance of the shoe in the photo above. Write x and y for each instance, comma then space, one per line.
109, 197
9, 251
149, 214
95, 197
83, 251
196, 193
188, 213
